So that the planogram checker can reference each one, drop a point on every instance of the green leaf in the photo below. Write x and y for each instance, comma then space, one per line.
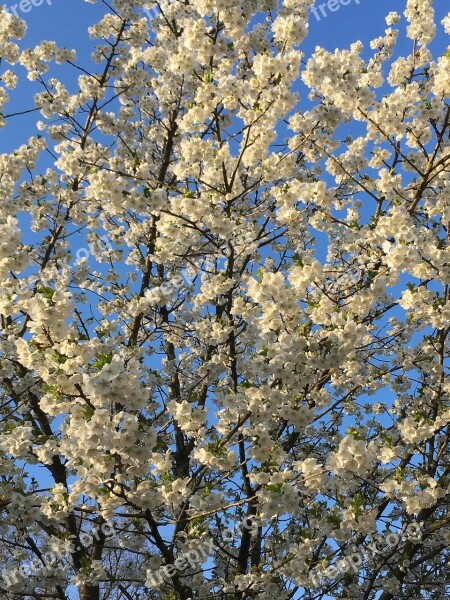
275, 488
334, 519
297, 260
51, 389
59, 358
9, 427
103, 490
88, 412
355, 433
47, 292
102, 360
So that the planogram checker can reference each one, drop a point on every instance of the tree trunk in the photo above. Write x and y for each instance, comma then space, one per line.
90, 592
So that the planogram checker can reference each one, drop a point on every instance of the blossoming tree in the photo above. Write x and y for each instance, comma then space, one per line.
225, 320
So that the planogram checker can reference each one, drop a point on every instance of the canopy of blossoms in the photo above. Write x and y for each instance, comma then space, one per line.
225, 309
